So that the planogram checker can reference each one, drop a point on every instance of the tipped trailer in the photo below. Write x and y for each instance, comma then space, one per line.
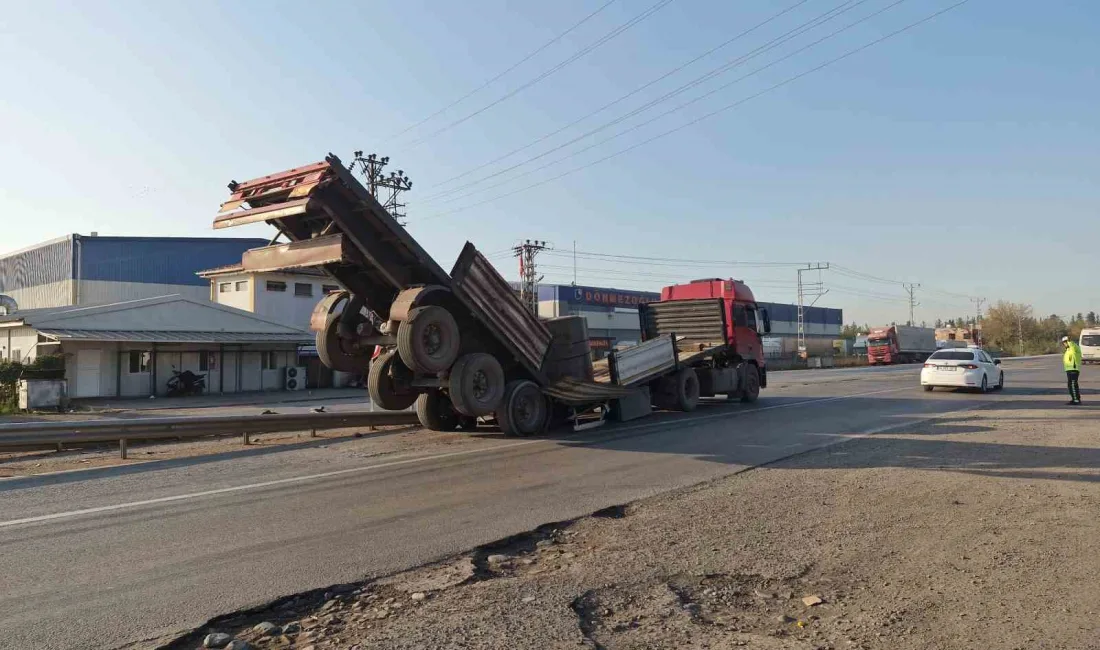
459, 345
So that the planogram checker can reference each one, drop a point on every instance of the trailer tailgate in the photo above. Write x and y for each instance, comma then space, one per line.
642, 362
493, 302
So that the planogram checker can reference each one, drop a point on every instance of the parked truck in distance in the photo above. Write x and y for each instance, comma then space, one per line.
900, 344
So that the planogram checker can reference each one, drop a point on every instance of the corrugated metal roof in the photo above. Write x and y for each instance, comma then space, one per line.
162, 336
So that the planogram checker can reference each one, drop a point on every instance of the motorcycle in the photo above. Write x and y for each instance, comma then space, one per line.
186, 383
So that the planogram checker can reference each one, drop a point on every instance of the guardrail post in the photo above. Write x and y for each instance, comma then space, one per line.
244, 438
122, 448
60, 448
313, 433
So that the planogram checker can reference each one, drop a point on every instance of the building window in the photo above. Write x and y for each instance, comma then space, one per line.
16, 355
225, 287
139, 362
208, 361
303, 289
275, 285
242, 285
329, 288
269, 360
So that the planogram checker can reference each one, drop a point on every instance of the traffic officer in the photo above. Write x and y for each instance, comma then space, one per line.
1071, 361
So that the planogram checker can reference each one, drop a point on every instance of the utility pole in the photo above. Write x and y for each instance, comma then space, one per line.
385, 189
978, 302
528, 277
574, 262
1020, 330
808, 290
911, 289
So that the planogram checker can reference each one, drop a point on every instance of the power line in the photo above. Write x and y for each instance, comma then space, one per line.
622, 98
715, 72
580, 54
707, 116
504, 72
643, 274
672, 260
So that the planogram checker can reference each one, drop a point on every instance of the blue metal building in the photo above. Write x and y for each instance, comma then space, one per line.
82, 270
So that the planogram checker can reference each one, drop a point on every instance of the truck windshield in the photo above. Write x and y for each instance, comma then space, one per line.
878, 342
1091, 340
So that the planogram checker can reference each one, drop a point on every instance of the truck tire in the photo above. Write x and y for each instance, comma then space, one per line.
476, 384
524, 411
428, 340
751, 392
436, 413
678, 392
340, 354
387, 383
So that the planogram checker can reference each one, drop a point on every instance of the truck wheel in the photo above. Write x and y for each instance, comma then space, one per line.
388, 383
428, 339
436, 413
679, 392
524, 410
476, 384
340, 354
751, 392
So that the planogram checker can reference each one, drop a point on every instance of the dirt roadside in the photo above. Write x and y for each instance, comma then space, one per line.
972, 531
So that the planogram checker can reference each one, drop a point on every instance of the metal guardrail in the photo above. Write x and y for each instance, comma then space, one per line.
49, 434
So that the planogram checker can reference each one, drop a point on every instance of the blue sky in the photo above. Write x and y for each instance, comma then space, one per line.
963, 154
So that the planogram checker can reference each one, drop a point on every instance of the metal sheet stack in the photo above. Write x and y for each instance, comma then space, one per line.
569, 354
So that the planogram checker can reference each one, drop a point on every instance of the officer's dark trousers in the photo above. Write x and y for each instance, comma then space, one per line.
1074, 389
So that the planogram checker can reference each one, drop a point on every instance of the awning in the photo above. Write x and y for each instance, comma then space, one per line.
168, 336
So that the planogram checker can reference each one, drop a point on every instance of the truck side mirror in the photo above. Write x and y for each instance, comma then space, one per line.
764, 316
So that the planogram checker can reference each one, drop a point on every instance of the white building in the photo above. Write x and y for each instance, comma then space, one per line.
286, 297
132, 348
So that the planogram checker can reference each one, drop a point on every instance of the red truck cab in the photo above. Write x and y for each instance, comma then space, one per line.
745, 321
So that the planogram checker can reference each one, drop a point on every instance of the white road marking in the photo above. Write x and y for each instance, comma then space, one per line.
354, 470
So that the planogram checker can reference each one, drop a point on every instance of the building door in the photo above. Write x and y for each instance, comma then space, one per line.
87, 372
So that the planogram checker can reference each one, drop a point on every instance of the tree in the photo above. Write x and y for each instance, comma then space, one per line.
1008, 325
1052, 328
1090, 319
851, 331
939, 323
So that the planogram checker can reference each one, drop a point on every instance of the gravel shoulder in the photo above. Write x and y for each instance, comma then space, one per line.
973, 530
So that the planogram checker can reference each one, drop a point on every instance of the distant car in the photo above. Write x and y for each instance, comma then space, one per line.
1090, 345
962, 368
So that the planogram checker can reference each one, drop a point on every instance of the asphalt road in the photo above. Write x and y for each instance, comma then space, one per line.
113, 556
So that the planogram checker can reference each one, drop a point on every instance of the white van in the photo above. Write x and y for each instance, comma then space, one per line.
1090, 345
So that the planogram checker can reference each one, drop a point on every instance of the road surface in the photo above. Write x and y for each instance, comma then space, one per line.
114, 556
